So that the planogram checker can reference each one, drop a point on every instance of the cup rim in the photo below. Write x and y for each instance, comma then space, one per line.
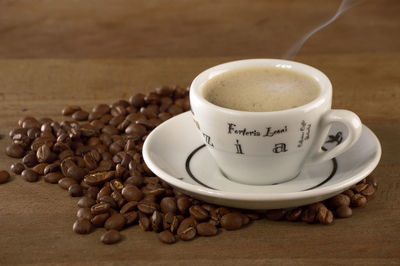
206, 75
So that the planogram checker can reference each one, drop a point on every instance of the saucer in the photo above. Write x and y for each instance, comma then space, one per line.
175, 152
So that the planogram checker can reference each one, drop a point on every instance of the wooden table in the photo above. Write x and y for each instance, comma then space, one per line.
89, 52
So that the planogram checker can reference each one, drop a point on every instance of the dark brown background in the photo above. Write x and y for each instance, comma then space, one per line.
53, 53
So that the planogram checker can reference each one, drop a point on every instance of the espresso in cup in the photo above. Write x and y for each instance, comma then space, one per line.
261, 89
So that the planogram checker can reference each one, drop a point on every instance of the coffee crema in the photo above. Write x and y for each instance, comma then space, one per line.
261, 89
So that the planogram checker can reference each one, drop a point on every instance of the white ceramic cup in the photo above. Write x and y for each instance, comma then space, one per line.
269, 158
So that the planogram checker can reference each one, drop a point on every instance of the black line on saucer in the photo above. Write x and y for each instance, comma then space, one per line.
334, 170
187, 166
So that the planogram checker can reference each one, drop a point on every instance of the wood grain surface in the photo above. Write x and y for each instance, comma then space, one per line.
54, 53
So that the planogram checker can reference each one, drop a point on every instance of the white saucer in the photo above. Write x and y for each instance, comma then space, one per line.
175, 152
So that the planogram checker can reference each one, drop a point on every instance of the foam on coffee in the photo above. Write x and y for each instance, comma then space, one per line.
261, 89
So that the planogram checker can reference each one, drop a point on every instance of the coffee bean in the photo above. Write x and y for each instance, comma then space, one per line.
100, 208
111, 237
137, 100
80, 115
372, 180
39, 168
30, 159
324, 216
136, 130
91, 192
70, 109
188, 234
185, 224
84, 213
206, 229
99, 178
75, 190
349, 193
343, 212
198, 213
30, 175
76, 172
144, 222
368, 191
4, 176
86, 202
168, 204
66, 182
132, 193
100, 219
131, 217
116, 221
294, 215
82, 226
17, 168
156, 221
53, 177
183, 205
360, 187
275, 215
129, 206
338, 200
358, 200
101, 108
166, 237
231, 221
147, 207
43, 153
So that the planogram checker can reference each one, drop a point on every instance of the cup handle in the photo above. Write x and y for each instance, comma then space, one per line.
353, 124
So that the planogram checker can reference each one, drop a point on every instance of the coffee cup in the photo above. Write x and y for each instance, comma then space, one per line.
257, 146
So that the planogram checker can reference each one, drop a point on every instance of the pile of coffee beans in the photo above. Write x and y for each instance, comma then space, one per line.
97, 156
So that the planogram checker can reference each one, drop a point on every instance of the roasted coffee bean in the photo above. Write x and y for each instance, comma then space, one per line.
100, 219
54, 167
206, 229
168, 204
358, 200
86, 202
183, 205
91, 192
4, 176
360, 187
111, 237
231, 221
128, 207
132, 193
156, 221
108, 199
294, 215
43, 154
70, 109
338, 201
166, 237
131, 217
80, 115
116, 221
349, 193
170, 222
147, 207
76, 172
75, 190
372, 180
343, 212
82, 226
53, 177
245, 219
137, 100
30, 175
368, 191
198, 213
104, 191
187, 229
30, 159
117, 197
84, 213
144, 222
39, 168
99, 178
66, 182
17, 168
275, 215
324, 216
101, 108
186, 223
175, 110
253, 215
100, 208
